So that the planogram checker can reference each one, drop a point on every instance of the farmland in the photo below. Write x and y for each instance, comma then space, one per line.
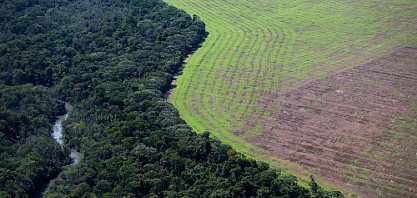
315, 87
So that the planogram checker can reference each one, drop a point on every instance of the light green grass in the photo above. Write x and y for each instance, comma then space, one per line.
255, 47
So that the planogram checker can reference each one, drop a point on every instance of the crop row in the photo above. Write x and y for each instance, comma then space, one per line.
256, 51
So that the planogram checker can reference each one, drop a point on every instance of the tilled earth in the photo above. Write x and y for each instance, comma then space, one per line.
344, 127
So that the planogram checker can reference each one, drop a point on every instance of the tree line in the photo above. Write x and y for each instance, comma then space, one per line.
114, 61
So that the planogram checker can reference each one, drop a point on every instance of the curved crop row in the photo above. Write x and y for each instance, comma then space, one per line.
257, 51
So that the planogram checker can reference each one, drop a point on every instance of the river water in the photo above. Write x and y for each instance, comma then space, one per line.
57, 135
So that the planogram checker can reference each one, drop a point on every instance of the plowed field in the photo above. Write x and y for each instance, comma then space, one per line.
344, 128
323, 87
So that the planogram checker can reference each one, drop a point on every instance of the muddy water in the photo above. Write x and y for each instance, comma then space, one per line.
57, 135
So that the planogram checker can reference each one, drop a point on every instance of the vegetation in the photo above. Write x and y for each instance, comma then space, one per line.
28, 153
258, 50
114, 61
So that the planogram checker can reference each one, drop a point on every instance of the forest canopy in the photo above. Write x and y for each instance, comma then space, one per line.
114, 61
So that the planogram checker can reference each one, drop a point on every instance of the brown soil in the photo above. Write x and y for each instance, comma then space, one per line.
335, 127
174, 79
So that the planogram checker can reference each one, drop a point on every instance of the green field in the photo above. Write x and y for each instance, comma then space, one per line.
257, 48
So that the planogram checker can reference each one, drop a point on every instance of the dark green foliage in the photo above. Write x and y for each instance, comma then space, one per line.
114, 61
28, 153
319, 192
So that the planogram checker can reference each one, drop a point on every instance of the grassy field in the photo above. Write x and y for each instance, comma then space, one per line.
257, 50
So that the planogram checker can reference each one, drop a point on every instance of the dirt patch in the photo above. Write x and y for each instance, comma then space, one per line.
335, 127
174, 79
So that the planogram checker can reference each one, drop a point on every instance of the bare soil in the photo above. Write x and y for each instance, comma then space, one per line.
174, 79
336, 127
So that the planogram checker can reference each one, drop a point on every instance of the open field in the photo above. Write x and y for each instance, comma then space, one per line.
311, 86
343, 127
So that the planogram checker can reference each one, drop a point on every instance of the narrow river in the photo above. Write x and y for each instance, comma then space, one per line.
57, 135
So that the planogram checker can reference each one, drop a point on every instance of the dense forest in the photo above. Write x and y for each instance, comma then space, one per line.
113, 60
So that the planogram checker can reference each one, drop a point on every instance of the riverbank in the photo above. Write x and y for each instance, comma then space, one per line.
57, 134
